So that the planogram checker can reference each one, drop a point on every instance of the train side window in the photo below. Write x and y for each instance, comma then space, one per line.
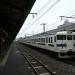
32, 40
69, 37
47, 39
43, 39
73, 37
39, 39
55, 39
35, 40
51, 40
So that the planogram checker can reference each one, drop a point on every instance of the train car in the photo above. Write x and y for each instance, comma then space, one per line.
62, 43
65, 43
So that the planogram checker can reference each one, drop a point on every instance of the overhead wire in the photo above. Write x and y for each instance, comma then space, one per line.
70, 12
71, 16
41, 9
44, 13
65, 14
51, 25
59, 21
44, 6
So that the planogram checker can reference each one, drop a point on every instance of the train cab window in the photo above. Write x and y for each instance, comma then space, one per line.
73, 37
69, 37
61, 37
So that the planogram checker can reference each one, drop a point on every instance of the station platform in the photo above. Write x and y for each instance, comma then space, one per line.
15, 64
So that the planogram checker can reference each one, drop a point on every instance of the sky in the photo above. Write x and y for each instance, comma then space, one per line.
48, 12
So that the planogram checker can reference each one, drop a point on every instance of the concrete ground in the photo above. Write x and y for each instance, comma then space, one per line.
14, 64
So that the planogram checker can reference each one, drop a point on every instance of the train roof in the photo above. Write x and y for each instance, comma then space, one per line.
65, 32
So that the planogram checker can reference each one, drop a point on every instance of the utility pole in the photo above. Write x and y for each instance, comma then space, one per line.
43, 26
66, 17
33, 14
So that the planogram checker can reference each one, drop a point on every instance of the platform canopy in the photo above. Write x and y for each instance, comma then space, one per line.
13, 14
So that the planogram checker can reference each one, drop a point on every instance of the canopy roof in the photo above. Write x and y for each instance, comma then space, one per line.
13, 14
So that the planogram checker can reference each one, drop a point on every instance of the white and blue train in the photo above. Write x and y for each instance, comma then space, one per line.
62, 43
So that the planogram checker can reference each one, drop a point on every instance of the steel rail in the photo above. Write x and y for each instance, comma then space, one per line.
43, 66
30, 64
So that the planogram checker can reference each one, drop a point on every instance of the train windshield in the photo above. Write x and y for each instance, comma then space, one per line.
69, 37
61, 37
73, 37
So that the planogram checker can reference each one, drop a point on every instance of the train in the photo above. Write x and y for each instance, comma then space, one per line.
62, 43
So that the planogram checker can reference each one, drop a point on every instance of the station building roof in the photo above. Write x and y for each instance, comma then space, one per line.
13, 14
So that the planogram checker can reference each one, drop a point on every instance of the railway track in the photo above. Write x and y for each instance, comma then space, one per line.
37, 66
55, 66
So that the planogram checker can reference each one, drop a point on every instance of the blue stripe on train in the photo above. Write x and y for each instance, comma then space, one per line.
61, 45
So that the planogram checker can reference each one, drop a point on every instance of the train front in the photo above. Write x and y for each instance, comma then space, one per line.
65, 43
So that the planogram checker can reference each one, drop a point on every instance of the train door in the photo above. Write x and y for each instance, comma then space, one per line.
61, 42
69, 42
74, 42
55, 42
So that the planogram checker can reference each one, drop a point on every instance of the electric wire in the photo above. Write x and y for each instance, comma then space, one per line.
44, 6
60, 20
70, 12
48, 10
41, 10
43, 13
